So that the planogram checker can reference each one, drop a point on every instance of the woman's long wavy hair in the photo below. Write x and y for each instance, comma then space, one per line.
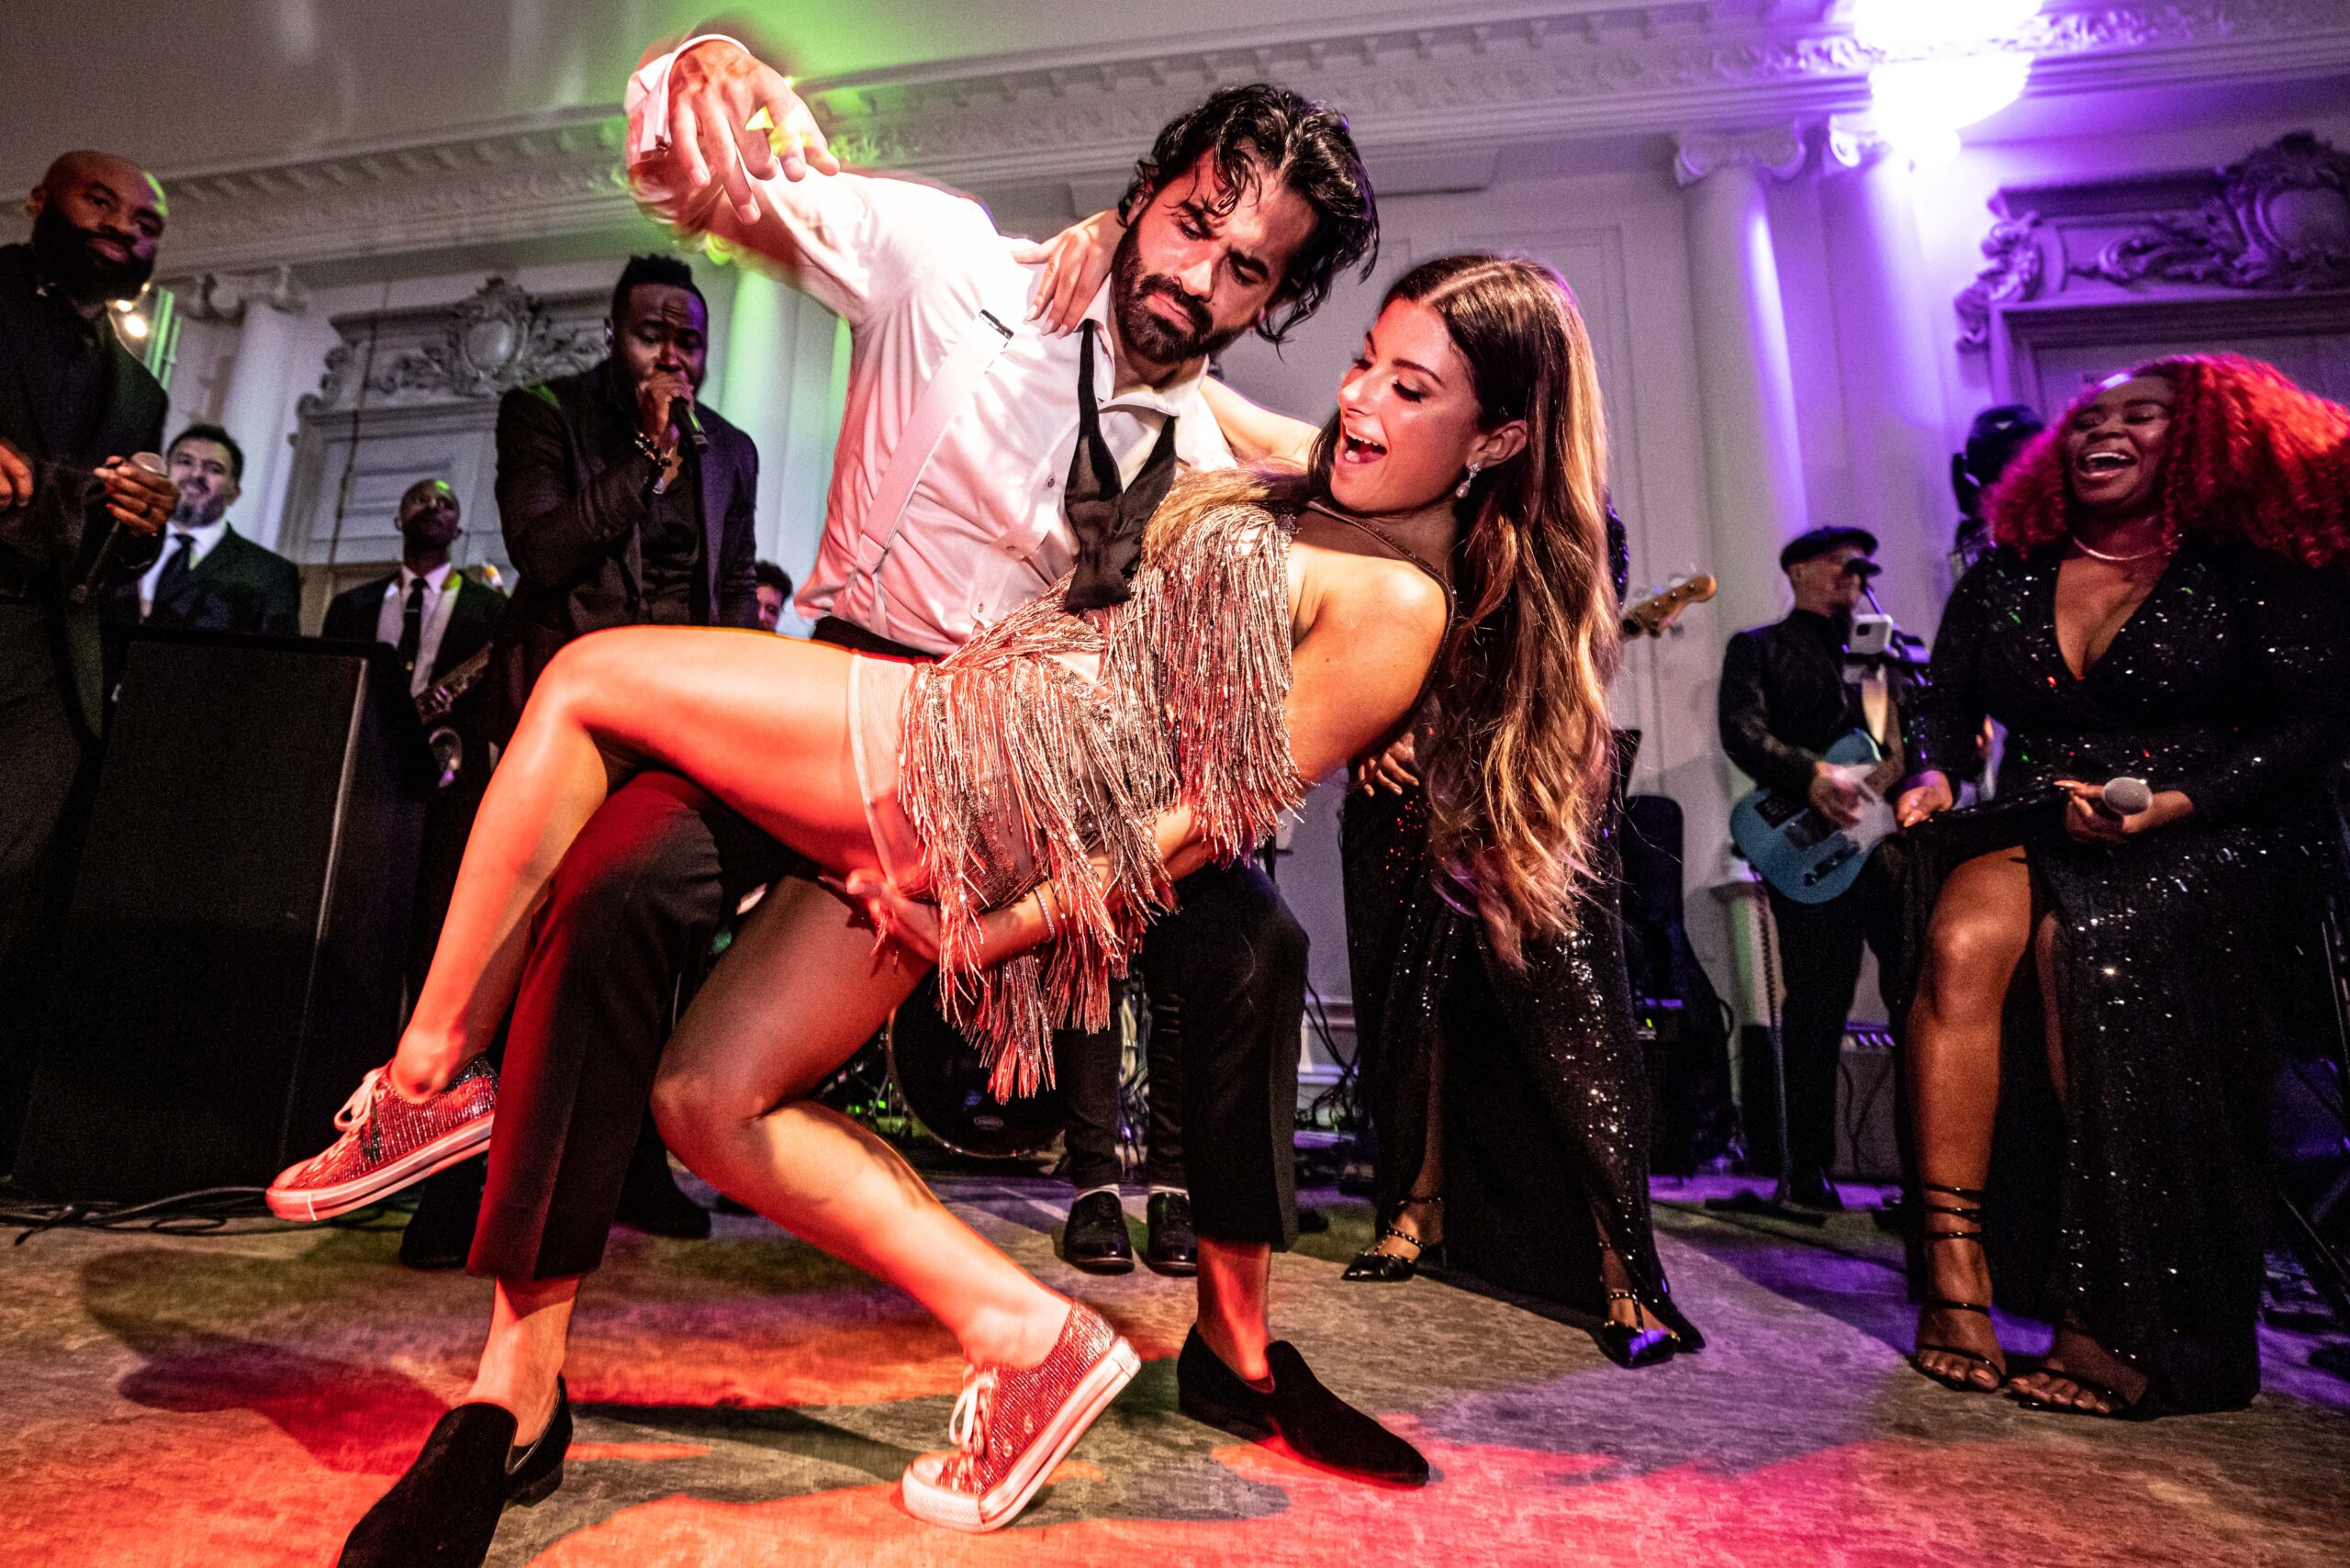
2249, 455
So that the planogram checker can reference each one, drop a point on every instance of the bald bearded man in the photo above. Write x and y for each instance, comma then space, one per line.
74, 406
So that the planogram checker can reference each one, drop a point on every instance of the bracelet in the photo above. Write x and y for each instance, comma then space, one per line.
644, 445
1045, 907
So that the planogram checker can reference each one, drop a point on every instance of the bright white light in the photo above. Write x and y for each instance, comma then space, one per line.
135, 325
1900, 27
1919, 104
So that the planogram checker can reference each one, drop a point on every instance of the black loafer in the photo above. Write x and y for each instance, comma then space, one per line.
1095, 1239
444, 1511
1172, 1248
1317, 1424
1813, 1190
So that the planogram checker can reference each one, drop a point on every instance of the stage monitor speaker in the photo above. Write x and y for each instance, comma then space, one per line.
233, 949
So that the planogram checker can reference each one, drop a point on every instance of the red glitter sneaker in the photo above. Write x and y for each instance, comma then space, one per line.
1013, 1424
388, 1144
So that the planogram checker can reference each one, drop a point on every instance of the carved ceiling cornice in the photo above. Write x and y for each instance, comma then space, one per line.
1474, 80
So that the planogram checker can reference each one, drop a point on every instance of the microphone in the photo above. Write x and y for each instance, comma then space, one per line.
692, 423
102, 563
2125, 797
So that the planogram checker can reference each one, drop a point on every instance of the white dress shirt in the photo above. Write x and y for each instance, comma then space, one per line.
200, 543
910, 267
442, 586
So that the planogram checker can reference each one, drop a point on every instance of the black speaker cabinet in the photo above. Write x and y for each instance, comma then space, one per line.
234, 945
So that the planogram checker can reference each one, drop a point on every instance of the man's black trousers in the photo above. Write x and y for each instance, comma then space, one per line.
1820, 962
634, 906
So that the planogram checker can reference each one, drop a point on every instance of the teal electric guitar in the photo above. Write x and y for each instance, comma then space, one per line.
1801, 854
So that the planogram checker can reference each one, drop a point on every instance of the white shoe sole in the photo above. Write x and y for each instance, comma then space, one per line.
309, 1206
997, 1507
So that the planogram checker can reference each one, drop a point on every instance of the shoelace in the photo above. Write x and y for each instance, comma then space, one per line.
968, 1425
360, 1109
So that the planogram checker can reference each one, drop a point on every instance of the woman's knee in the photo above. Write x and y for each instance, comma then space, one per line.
1969, 960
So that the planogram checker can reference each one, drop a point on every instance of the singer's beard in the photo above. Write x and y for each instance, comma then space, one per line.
62, 253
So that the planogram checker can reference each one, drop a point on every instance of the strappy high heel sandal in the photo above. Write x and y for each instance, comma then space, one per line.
1631, 1345
1394, 1268
1968, 1212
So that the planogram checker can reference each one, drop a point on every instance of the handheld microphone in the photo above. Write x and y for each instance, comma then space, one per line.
102, 563
2125, 797
691, 423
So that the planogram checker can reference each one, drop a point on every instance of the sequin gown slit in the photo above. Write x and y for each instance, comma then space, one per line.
2181, 957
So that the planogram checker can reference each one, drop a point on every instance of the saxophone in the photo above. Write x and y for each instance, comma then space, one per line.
434, 704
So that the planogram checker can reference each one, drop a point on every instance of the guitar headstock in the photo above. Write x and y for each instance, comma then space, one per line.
1651, 615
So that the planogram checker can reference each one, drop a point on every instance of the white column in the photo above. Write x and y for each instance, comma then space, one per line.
1754, 483
1888, 353
782, 389
253, 407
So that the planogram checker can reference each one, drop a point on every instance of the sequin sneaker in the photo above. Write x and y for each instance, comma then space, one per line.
388, 1144
1011, 1425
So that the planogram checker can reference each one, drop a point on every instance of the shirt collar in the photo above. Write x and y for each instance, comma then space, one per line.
203, 538
1177, 397
434, 580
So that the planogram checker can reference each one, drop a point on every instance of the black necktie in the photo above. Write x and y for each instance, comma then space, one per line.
412, 626
1107, 515
176, 573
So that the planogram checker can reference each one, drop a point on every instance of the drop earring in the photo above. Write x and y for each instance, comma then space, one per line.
1462, 490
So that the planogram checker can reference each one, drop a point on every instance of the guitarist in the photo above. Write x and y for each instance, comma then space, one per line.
1788, 692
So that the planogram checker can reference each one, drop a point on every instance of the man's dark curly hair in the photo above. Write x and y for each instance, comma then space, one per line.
1262, 128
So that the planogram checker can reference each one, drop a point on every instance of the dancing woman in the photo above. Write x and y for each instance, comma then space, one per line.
2150, 610
1015, 811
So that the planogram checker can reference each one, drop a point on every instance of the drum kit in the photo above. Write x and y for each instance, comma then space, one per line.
920, 1079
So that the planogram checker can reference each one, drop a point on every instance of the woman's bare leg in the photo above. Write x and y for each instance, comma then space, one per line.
2074, 1350
1421, 1216
1981, 926
759, 722
802, 990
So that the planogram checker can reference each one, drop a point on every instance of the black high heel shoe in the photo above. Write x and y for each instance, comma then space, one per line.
442, 1512
1968, 1212
1629, 1345
1394, 1268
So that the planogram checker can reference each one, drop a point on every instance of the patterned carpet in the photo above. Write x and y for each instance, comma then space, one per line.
241, 1399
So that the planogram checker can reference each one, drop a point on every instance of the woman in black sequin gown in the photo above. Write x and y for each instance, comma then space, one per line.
1562, 1097
2153, 611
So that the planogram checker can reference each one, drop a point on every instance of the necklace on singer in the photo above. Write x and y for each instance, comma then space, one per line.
2116, 560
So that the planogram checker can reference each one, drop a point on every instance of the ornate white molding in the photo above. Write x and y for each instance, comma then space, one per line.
1779, 150
497, 337
1481, 75
224, 297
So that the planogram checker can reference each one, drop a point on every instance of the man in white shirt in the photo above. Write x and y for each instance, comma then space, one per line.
948, 509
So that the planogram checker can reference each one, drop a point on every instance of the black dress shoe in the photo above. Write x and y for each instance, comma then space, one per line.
442, 1512
1317, 1425
440, 1235
1096, 1238
1172, 1248
1813, 1190
650, 1201
1628, 1345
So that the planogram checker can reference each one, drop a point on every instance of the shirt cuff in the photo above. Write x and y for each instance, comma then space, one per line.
646, 102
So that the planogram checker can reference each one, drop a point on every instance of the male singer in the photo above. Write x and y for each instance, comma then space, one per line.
75, 519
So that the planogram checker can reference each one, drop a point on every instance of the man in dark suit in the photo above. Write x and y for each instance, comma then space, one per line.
1789, 692
624, 502
433, 614
75, 518
209, 578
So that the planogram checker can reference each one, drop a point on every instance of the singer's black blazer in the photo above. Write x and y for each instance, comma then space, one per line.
46, 551
573, 495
